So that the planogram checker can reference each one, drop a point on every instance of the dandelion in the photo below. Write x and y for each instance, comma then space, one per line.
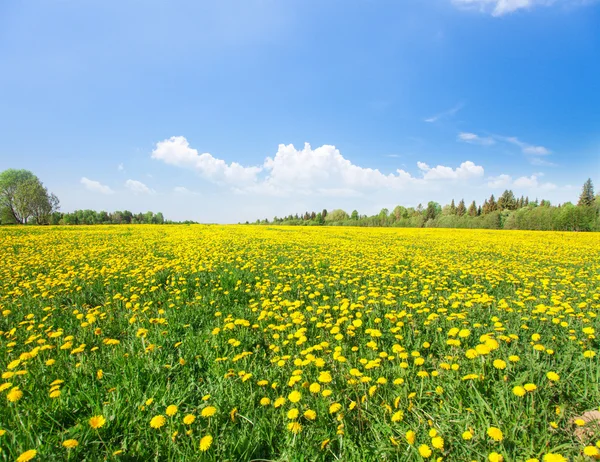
294, 396
410, 437
519, 391
157, 421
495, 457
265, 401
425, 451
189, 419
171, 410
437, 442
553, 376
27, 455
14, 395
205, 443
293, 414
335, 407
208, 411
310, 414
97, 421
70, 444
467, 435
553, 457
495, 433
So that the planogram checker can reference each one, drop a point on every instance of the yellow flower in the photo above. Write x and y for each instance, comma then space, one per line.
551, 457
27, 455
293, 414
189, 419
265, 401
279, 402
335, 407
157, 421
410, 437
397, 416
495, 434
495, 457
437, 442
294, 396
425, 451
70, 443
208, 411
519, 391
205, 443
314, 388
171, 410
499, 364
553, 376
324, 377
467, 435
592, 451
54, 393
294, 427
579, 422
310, 414
14, 395
97, 421
530, 387
99, 374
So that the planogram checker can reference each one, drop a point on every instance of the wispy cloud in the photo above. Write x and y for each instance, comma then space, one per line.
442, 115
120, 167
472, 138
503, 7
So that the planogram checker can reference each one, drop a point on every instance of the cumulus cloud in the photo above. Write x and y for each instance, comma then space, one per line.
523, 182
95, 186
499, 181
177, 151
321, 171
466, 171
472, 138
138, 187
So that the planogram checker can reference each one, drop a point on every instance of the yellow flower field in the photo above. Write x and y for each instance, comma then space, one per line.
241, 342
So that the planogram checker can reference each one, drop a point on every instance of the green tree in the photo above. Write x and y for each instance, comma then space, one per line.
433, 210
23, 196
507, 201
473, 209
586, 199
461, 209
354, 215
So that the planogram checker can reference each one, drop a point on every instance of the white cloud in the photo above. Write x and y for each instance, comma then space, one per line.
449, 113
95, 186
184, 191
502, 7
524, 182
472, 138
120, 167
322, 171
138, 187
466, 171
527, 148
177, 151
500, 181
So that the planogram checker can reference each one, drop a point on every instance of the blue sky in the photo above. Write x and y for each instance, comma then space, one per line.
202, 109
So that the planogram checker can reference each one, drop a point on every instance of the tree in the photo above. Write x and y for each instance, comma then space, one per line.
354, 215
492, 206
461, 209
586, 199
433, 210
324, 214
23, 196
452, 208
507, 201
472, 209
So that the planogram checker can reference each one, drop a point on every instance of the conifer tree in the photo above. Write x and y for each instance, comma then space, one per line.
586, 198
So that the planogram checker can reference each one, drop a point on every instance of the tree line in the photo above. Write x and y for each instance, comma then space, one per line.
505, 212
25, 200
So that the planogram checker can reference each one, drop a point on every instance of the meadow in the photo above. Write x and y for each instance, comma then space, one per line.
298, 344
